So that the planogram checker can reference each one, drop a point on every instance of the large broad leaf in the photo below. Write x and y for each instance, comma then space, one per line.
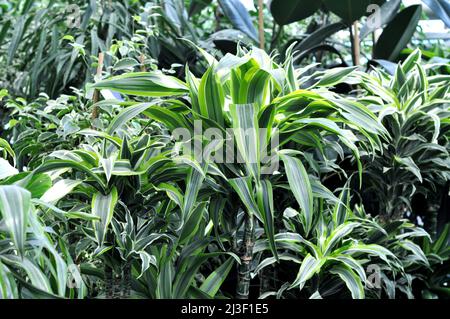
441, 8
103, 207
386, 13
318, 36
286, 12
239, 17
254, 87
397, 34
301, 187
15, 204
197, 6
349, 10
144, 84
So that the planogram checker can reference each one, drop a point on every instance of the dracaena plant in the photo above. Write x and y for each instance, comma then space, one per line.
34, 261
248, 93
337, 255
414, 108
44, 266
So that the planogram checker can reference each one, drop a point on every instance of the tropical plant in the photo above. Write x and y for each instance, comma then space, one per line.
414, 108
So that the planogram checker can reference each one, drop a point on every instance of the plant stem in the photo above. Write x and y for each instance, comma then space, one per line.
108, 282
243, 286
96, 97
356, 50
261, 24
142, 60
126, 280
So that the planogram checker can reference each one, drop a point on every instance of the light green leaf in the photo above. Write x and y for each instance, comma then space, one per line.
59, 190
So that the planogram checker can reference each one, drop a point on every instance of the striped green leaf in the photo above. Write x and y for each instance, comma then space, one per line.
211, 97
351, 279
243, 187
264, 195
192, 223
59, 190
301, 188
144, 84
339, 233
103, 207
52, 165
246, 133
212, 283
193, 184
309, 267
15, 205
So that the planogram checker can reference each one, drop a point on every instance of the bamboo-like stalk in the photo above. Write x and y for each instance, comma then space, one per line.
109, 290
243, 285
126, 280
117, 286
262, 44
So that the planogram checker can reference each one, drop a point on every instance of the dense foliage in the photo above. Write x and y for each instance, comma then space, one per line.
193, 164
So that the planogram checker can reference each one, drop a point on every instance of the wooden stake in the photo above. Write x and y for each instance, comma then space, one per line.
261, 24
356, 44
96, 97
142, 60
